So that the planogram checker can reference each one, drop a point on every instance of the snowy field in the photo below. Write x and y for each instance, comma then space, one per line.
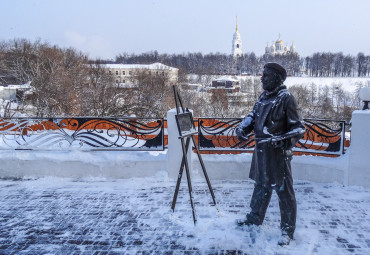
349, 84
88, 216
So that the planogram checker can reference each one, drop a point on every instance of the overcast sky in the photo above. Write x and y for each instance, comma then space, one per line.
107, 28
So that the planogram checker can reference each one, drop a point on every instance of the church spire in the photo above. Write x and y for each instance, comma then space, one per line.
237, 42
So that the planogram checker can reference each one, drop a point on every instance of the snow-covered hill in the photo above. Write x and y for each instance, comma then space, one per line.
349, 84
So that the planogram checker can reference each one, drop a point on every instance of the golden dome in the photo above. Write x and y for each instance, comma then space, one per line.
279, 41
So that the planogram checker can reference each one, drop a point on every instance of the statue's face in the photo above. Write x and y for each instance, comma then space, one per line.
269, 79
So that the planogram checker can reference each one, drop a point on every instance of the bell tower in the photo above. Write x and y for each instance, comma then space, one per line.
237, 42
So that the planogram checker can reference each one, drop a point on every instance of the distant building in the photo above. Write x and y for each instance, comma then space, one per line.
124, 72
15, 93
236, 50
191, 86
277, 48
231, 85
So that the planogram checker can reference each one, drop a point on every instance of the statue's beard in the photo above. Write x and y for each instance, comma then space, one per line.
270, 86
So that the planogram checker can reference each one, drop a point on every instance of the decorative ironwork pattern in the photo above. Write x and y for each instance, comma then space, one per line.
325, 136
219, 134
322, 136
82, 133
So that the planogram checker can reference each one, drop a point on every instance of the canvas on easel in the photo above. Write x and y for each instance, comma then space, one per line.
185, 124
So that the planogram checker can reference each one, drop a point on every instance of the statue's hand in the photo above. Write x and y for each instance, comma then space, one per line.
240, 135
276, 143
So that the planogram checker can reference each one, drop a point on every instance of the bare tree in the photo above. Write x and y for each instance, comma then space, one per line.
151, 93
99, 95
219, 104
63, 82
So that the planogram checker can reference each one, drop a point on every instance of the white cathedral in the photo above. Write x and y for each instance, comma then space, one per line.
277, 48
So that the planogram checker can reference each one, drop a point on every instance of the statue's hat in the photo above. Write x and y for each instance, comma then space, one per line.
278, 69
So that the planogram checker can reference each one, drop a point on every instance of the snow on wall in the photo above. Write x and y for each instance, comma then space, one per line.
115, 164
77, 164
310, 168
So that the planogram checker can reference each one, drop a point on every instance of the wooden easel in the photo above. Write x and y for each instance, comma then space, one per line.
184, 161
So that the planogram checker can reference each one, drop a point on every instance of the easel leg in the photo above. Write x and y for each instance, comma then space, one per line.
189, 180
204, 170
179, 177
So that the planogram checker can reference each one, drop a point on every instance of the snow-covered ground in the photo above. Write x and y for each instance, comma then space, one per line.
349, 84
82, 216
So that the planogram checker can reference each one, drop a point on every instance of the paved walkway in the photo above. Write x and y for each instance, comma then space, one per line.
62, 216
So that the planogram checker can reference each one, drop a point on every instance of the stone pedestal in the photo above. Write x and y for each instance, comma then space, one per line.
174, 152
359, 155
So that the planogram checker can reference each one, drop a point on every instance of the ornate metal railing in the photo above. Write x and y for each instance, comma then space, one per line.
82, 133
322, 136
